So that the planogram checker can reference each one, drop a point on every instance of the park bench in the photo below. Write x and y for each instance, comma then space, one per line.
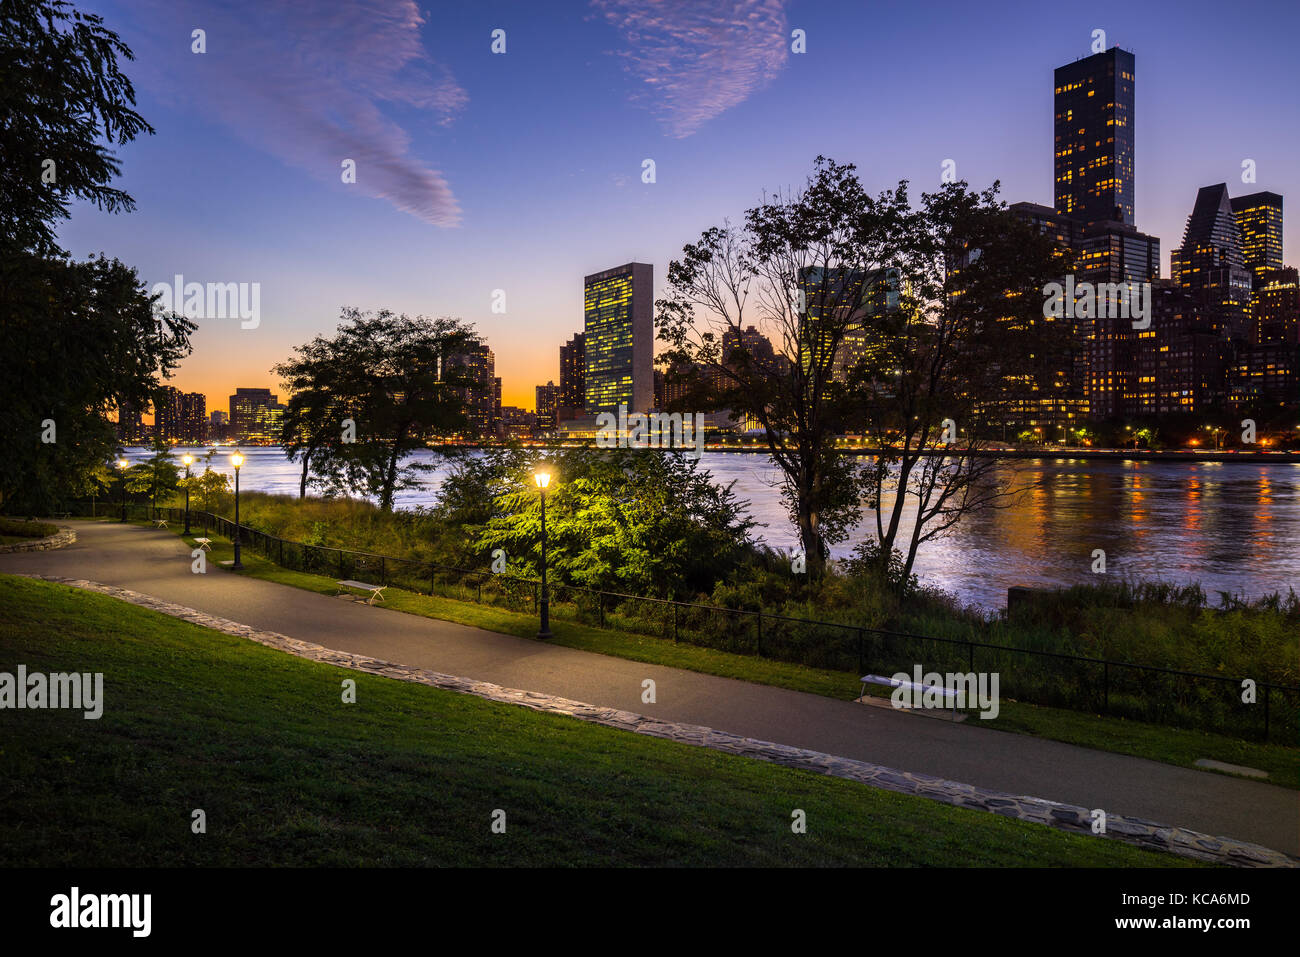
949, 693
160, 523
204, 543
376, 591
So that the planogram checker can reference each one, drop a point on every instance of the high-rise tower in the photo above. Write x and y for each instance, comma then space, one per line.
1094, 138
618, 337
1259, 217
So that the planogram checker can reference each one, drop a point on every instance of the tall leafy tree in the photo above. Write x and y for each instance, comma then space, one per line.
803, 271
884, 318
63, 99
967, 348
81, 338
313, 430
395, 377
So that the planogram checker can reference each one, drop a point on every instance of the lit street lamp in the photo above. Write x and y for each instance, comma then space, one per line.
237, 460
121, 479
543, 480
187, 459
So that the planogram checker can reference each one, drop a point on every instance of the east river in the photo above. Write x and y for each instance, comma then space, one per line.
1232, 526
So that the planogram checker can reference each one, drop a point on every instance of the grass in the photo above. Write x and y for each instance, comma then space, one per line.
1156, 742
408, 775
14, 530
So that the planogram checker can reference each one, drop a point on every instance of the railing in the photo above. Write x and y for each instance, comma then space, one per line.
1055, 679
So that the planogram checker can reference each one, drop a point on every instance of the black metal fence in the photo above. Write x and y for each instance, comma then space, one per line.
1115, 688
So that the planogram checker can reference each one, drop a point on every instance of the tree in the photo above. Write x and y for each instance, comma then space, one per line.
967, 346
210, 490
156, 474
60, 91
806, 271
81, 338
397, 377
313, 423
626, 520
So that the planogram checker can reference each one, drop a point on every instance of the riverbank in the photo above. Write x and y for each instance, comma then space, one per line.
1001, 452
1055, 642
1231, 526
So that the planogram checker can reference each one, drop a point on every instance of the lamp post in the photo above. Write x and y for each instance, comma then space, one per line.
237, 460
544, 606
121, 480
187, 459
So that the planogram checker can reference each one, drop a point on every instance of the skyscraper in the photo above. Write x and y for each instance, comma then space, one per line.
838, 306
218, 426
194, 417
1259, 217
130, 423
252, 415
1210, 263
1180, 362
1268, 369
483, 398
547, 396
167, 413
618, 338
1094, 138
573, 378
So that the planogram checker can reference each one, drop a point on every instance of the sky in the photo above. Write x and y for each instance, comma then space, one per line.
521, 172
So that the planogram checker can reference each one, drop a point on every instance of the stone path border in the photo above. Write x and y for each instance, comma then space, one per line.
1067, 817
61, 539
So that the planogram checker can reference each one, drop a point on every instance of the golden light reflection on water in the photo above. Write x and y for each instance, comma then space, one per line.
1231, 526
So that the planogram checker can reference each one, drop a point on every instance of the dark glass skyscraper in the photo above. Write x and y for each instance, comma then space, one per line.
573, 377
1094, 138
618, 337
1210, 261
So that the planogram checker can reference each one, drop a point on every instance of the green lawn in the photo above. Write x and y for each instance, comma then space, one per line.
14, 530
409, 775
1156, 742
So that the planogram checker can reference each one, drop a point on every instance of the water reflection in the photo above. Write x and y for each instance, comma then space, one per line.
1232, 527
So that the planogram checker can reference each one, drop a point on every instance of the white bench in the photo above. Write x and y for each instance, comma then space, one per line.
949, 693
160, 523
376, 591
204, 544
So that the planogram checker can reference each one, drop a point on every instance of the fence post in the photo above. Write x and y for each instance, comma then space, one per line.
383, 571
861, 666
759, 641
1105, 687
970, 648
433, 570
600, 606
674, 621
478, 591
1265, 712
342, 573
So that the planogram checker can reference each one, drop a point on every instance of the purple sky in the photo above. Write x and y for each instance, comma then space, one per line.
521, 171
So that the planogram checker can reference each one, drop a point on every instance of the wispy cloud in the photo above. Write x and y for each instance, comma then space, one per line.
303, 80
697, 58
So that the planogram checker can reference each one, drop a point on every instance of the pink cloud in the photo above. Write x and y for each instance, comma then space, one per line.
303, 80
696, 58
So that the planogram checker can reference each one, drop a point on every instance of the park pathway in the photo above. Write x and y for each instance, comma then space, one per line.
156, 563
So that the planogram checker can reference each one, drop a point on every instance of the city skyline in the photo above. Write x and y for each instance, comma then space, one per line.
540, 203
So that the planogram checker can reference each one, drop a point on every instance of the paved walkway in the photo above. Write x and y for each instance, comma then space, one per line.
156, 563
